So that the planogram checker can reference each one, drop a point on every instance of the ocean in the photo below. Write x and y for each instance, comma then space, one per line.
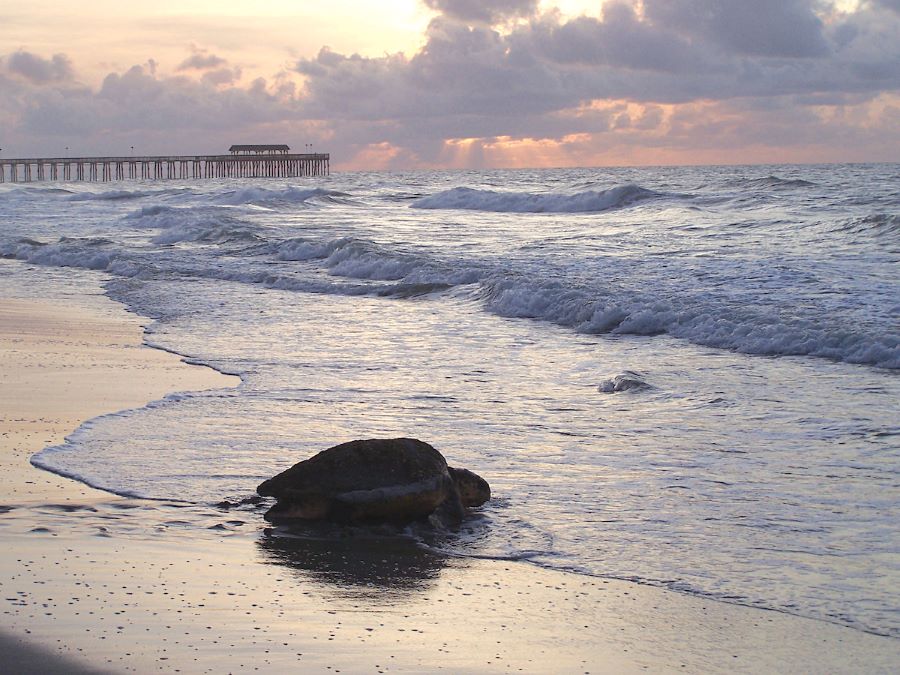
685, 377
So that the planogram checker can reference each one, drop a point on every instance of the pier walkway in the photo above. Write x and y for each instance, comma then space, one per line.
268, 165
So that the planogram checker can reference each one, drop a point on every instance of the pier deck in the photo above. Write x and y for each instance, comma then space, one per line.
167, 167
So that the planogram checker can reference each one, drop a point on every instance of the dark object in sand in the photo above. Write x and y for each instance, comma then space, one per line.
382, 479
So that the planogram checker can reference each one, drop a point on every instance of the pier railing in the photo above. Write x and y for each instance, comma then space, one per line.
163, 167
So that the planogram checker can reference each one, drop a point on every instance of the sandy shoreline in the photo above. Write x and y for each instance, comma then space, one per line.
127, 585
64, 364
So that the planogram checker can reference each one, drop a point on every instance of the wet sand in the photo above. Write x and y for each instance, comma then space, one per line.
125, 585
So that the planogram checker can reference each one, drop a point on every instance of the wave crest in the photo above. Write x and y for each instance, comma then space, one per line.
776, 182
272, 197
121, 195
711, 325
878, 225
704, 321
206, 224
530, 202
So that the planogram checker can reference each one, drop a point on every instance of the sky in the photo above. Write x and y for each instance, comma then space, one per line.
410, 84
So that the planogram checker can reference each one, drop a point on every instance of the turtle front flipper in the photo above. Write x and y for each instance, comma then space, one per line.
300, 505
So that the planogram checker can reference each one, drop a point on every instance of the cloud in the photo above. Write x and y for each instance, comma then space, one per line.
889, 4
655, 80
549, 65
215, 69
39, 70
222, 76
487, 12
772, 28
201, 60
462, 71
619, 40
170, 114
474, 81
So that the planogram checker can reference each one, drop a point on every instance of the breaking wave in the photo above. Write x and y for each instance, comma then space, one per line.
709, 322
120, 195
712, 324
878, 225
92, 254
40, 191
776, 182
359, 259
300, 249
530, 202
272, 197
205, 224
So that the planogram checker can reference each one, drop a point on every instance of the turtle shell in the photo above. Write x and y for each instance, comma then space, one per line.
375, 479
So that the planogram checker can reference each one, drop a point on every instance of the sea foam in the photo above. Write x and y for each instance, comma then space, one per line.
202, 224
712, 324
703, 320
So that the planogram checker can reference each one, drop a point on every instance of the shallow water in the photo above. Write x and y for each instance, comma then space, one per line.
488, 312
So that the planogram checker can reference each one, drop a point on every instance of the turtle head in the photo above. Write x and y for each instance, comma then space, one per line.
473, 489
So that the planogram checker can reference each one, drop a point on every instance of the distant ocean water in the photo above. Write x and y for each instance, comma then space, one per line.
755, 310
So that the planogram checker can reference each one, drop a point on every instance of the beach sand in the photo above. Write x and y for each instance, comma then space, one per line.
110, 584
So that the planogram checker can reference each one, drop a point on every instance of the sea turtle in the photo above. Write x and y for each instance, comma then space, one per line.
395, 479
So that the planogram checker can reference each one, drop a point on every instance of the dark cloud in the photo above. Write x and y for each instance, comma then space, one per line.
488, 12
222, 76
549, 65
462, 70
40, 70
775, 28
889, 4
472, 81
619, 40
137, 107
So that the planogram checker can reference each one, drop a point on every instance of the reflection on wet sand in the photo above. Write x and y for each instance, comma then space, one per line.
357, 562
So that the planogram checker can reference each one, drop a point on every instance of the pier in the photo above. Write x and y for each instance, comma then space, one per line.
238, 164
